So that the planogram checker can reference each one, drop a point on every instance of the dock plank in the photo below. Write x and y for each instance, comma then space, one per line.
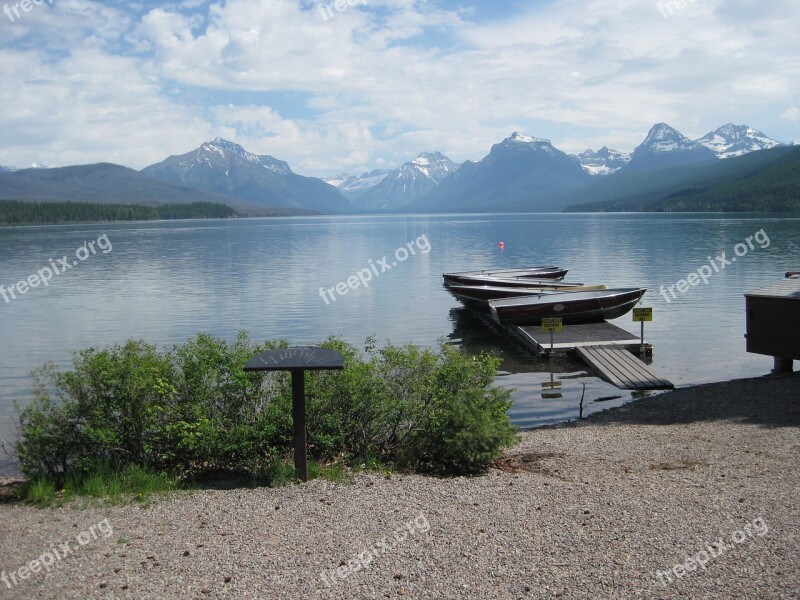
623, 369
630, 371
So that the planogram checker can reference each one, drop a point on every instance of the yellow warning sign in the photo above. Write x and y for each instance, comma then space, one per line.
552, 324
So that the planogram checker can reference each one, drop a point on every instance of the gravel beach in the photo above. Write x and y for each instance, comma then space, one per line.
689, 494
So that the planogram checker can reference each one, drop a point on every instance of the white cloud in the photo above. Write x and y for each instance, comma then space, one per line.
378, 83
791, 114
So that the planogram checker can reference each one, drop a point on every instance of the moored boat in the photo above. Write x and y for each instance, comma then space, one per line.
571, 306
489, 275
477, 296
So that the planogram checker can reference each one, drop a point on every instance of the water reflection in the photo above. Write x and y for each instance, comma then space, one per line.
544, 391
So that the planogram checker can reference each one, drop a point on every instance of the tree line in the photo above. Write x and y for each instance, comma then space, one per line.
16, 212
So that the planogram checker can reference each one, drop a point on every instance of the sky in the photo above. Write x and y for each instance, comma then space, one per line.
366, 84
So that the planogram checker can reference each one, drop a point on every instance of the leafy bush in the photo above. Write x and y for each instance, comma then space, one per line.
194, 408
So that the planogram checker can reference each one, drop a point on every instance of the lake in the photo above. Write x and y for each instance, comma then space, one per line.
277, 278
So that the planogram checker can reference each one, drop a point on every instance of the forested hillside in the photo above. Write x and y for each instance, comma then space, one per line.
15, 212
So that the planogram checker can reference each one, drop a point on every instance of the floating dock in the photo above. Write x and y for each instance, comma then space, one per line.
578, 336
607, 349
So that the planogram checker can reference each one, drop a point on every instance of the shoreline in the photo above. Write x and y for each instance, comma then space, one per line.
636, 405
594, 508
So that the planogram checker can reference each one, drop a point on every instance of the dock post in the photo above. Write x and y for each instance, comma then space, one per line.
782, 366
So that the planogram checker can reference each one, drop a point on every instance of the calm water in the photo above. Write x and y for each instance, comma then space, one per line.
166, 281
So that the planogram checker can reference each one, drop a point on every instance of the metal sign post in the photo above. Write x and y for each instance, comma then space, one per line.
642, 315
552, 325
297, 361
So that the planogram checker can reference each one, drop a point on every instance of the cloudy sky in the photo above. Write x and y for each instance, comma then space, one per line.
374, 84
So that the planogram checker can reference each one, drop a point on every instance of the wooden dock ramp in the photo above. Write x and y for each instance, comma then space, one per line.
617, 365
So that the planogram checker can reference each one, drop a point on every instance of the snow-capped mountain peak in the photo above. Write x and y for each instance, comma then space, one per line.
428, 158
603, 162
663, 138
736, 140
666, 147
354, 185
13, 169
221, 151
521, 138
338, 180
408, 182
519, 144
430, 164
224, 167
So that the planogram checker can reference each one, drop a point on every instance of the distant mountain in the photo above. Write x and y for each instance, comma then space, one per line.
666, 147
768, 180
771, 188
603, 162
521, 173
736, 140
111, 184
352, 186
13, 169
518, 169
407, 183
224, 167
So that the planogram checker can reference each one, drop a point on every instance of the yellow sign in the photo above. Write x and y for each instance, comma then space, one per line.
642, 314
552, 324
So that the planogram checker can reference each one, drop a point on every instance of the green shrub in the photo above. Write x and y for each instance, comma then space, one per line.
194, 408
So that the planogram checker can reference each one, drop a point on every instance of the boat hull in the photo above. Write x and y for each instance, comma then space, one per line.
478, 296
518, 281
572, 307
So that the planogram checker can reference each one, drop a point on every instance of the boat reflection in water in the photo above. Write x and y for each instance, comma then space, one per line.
535, 402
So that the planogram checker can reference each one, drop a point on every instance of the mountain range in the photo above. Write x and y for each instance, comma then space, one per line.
400, 188
352, 186
107, 183
520, 173
223, 167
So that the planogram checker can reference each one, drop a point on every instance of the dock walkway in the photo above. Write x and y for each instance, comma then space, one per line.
618, 366
607, 349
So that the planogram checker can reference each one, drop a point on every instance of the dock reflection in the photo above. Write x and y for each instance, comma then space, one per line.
544, 392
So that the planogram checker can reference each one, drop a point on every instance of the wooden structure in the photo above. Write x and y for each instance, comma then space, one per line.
576, 336
618, 366
616, 363
773, 321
